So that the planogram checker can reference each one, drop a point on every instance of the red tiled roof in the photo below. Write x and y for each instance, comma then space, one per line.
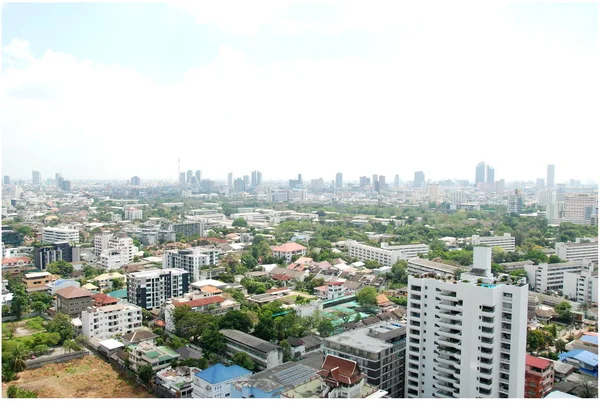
535, 362
201, 302
281, 277
210, 289
218, 240
335, 283
104, 299
340, 369
321, 288
382, 299
15, 260
289, 247
73, 292
159, 323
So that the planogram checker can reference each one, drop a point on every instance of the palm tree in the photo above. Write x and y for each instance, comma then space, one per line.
17, 357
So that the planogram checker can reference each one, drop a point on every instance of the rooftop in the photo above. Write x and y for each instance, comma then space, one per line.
73, 292
249, 340
201, 301
288, 375
139, 336
535, 362
581, 355
219, 373
371, 338
289, 247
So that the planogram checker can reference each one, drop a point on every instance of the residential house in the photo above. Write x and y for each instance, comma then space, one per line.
103, 300
539, 377
72, 301
37, 282
175, 382
586, 361
105, 281
107, 321
288, 251
146, 353
215, 382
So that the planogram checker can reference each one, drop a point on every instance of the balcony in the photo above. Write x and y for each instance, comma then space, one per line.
451, 324
445, 368
450, 315
444, 386
443, 394
450, 333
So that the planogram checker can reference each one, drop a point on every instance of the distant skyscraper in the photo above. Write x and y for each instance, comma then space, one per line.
338, 180
6, 180
246, 181
189, 176
375, 176
490, 175
239, 185
540, 184
66, 185
364, 182
397, 181
230, 179
36, 177
515, 202
480, 173
59, 181
550, 176
135, 181
382, 182
182, 179
198, 176
419, 179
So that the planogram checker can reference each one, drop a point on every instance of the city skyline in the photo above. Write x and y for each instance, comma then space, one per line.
294, 76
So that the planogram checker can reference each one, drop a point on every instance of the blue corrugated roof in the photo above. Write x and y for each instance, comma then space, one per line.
119, 293
590, 339
219, 373
586, 357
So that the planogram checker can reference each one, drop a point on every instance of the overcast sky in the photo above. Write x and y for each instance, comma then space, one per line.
107, 91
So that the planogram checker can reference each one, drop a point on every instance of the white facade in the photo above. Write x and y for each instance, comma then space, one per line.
582, 286
386, 255
203, 389
104, 281
577, 250
506, 241
151, 288
190, 260
579, 207
53, 235
120, 251
466, 340
101, 242
421, 266
550, 276
133, 214
107, 321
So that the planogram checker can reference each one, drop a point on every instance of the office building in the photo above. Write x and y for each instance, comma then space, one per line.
550, 176
239, 186
111, 320
43, 255
433, 190
540, 184
132, 213
338, 180
36, 177
151, 288
397, 181
547, 277
539, 377
382, 184
230, 179
188, 176
386, 255
198, 176
182, 179
52, 235
364, 182
480, 173
546, 196
419, 179
379, 351
256, 178
136, 181
6, 180
581, 286
191, 260
490, 176
506, 241
466, 339
265, 355
215, 381
579, 207
577, 250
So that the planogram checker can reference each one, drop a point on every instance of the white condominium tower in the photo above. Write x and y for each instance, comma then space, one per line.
466, 338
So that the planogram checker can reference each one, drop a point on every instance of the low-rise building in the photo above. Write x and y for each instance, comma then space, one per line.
61, 283
585, 361
547, 277
506, 241
53, 235
175, 382
576, 251
146, 353
581, 286
265, 355
215, 382
105, 281
72, 301
331, 290
35, 282
418, 266
386, 255
539, 377
272, 382
288, 251
108, 321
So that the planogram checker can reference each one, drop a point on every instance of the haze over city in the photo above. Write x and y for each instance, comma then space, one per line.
108, 91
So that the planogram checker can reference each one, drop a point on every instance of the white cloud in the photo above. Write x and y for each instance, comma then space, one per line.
445, 96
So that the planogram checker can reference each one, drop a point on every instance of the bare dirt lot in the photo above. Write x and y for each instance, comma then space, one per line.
88, 377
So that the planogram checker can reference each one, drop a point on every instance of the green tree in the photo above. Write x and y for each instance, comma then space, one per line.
560, 345
16, 357
145, 373
236, 320
117, 283
325, 328
213, 341
61, 267
265, 328
372, 264
19, 305
180, 312
554, 259
71, 345
61, 324
242, 359
248, 261
41, 349
367, 296
588, 387
239, 222
287, 350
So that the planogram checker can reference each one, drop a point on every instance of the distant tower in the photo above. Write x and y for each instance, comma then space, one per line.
419, 179
490, 175
480, 173
230, 179
550, 176
198, 176
397, 181
36, 178
338, 180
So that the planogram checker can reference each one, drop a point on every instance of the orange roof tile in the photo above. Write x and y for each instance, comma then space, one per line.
289, 247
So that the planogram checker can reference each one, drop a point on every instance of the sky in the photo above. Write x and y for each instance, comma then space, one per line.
109, 91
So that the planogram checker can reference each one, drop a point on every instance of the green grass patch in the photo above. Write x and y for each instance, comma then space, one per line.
70, 370
35, 323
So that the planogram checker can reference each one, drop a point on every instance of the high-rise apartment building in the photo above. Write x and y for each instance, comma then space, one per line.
480, 173
198, 176
419, 179
397, 181
256, 178
379, 350
151, 288
182, 179
53, 235
239, 186
230, 179
550, 176
36, 177
188, 177
540, 184
136, 181
579, 207
191, 260
515, 202
466, 339
490, 175
338, 180
364, 182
